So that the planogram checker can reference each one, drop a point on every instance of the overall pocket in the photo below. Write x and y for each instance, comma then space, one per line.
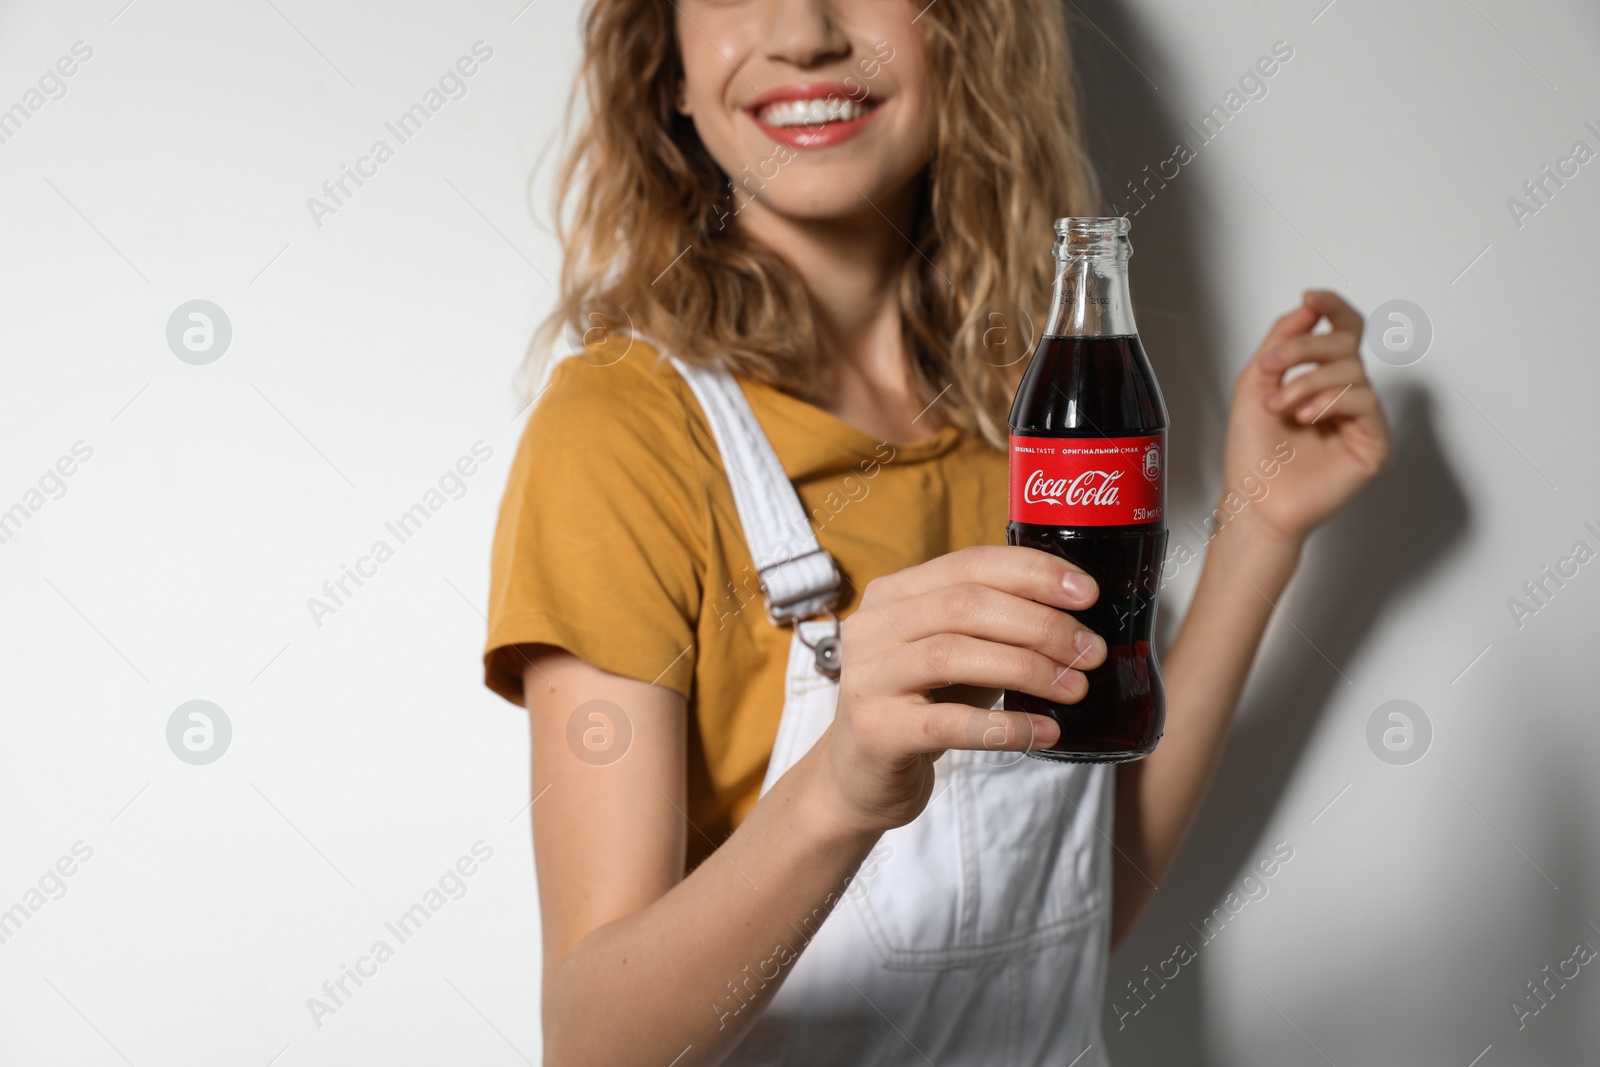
1011, 854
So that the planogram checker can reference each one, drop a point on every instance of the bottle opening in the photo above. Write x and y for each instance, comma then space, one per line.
1092, 235
1110, 225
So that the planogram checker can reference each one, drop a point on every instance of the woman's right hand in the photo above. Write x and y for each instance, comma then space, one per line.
994, 617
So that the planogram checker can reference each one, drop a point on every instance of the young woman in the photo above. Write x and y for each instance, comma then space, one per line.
788, 223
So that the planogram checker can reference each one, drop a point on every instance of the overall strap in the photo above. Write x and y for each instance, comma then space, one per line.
799, 578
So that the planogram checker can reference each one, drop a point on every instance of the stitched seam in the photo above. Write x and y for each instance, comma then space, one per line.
926, 959
966, 815
1013, 1031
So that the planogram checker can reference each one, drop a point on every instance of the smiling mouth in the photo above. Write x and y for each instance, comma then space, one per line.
813, 114
786, 114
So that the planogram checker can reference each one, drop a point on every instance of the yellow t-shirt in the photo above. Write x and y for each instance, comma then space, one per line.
618, 540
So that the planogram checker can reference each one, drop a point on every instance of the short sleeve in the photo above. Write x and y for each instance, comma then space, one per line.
601, 541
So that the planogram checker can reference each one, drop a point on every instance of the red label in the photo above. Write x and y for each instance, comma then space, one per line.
1088, 481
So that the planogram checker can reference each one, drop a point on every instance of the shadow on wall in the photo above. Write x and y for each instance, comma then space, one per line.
1354, 568
1417, 990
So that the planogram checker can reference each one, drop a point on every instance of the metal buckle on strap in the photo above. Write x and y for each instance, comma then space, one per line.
827, 649
776, 607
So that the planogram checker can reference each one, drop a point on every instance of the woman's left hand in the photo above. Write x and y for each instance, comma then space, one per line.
1322, 436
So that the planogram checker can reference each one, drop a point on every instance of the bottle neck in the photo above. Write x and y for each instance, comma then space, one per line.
1090, 298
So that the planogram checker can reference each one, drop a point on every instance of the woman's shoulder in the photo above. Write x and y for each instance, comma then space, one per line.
615, 437
623, 394
614, 380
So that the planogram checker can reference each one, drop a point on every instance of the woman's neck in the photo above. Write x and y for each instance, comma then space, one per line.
852, 268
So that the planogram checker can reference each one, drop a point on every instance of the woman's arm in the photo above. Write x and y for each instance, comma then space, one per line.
1157, 797
1295, 454
641, 963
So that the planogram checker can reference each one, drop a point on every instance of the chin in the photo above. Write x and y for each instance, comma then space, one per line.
807, 186
829, 196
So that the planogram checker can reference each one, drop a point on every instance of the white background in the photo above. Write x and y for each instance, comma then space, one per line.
372, 351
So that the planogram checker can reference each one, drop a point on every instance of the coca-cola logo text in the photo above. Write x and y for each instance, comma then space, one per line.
1089, 487
1103, 481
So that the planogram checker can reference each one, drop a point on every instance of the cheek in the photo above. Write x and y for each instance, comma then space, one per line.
711, 122
916, 128
923, 131
914, 86
706, 55
700, 82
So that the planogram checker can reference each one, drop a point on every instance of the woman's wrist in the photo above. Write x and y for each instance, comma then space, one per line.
1252, 547
820, 812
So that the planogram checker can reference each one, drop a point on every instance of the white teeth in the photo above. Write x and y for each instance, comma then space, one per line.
812, 112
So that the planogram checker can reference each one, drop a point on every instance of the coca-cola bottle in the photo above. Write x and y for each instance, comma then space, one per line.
1088, 483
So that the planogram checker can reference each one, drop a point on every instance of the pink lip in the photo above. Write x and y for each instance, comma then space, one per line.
822, 136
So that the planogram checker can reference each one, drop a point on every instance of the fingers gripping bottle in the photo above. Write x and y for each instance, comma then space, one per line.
1088, 483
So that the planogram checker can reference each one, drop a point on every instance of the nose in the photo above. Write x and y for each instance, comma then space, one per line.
805, 33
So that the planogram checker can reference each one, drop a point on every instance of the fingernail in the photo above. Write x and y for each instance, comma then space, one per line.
1273, 359
1277, 400
1087, 642
1045, 731
1078, 584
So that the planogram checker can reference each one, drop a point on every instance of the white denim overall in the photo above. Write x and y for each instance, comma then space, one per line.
975, 935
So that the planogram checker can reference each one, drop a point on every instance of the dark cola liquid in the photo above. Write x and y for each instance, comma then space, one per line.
1101, 387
